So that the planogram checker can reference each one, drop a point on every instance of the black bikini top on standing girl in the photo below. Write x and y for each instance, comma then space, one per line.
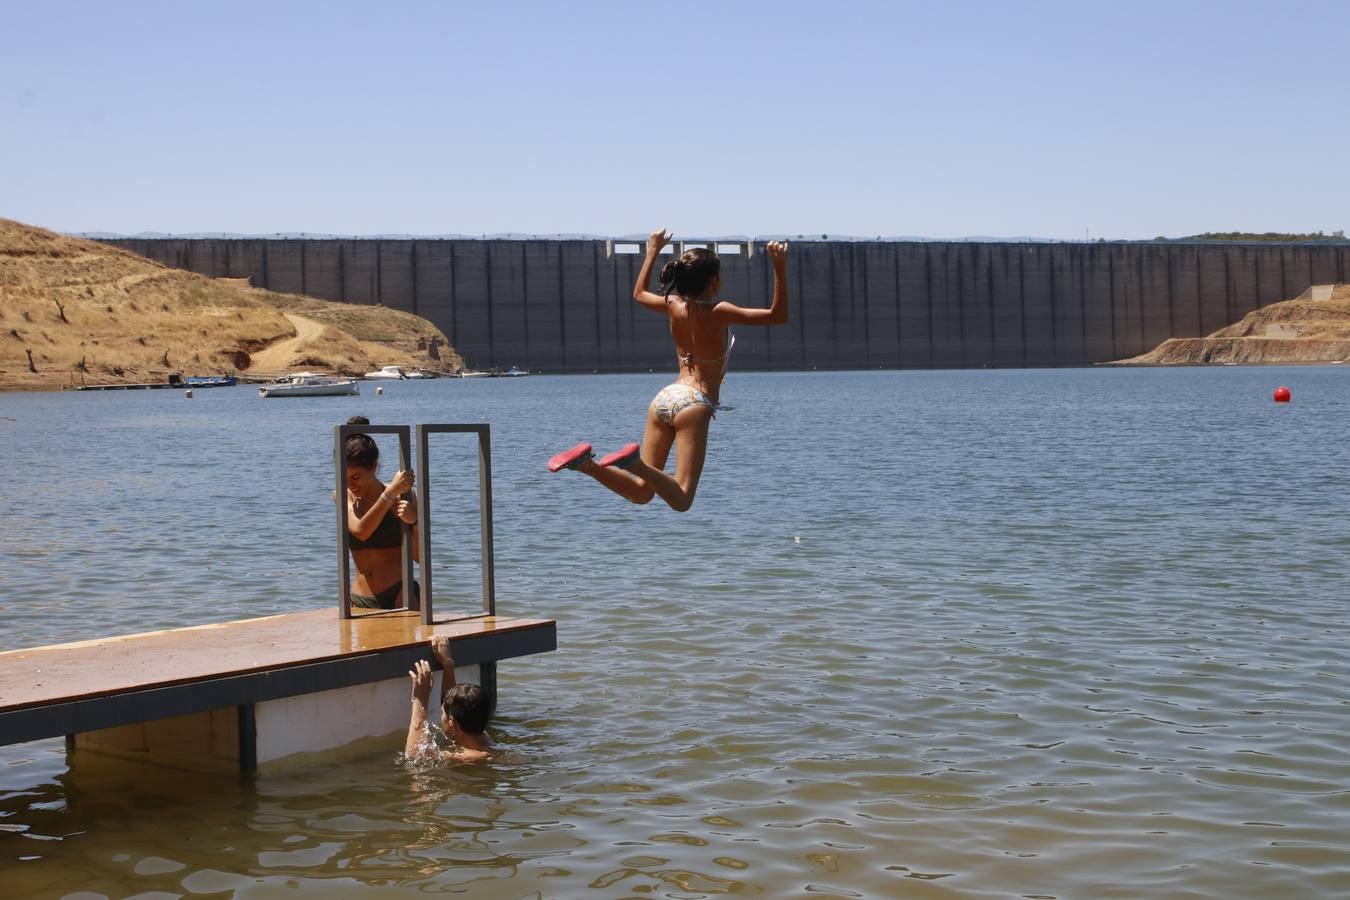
389, 533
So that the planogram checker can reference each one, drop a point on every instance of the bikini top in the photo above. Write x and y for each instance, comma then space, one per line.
389, 533
688, 358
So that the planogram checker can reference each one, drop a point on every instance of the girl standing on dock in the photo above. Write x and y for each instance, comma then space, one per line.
680, 414
374, 511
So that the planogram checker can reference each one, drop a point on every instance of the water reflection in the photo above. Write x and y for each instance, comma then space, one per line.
139, 828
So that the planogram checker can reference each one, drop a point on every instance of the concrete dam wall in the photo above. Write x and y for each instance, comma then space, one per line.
565, 305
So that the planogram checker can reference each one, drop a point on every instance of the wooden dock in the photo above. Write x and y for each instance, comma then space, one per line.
192, 381
155, 386
239, 693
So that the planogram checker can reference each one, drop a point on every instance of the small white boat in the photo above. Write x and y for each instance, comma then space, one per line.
308, 384
513, 372
418, 373
475, 374
388, 372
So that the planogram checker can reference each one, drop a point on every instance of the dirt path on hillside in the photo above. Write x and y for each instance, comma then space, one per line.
277, 358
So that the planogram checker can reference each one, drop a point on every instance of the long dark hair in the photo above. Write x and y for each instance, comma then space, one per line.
689, 275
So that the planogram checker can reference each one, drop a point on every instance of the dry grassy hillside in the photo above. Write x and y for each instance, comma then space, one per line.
1303, 330
75, 311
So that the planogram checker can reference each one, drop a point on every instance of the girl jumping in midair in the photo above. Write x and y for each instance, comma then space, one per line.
679, 415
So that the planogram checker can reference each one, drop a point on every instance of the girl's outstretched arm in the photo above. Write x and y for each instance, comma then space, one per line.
655, 242
777, 313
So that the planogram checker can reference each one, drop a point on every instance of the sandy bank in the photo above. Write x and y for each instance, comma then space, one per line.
74, 311
1312, 328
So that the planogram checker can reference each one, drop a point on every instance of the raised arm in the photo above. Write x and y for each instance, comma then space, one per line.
440, 648
655, 241
777, 313
420, 674
364, 526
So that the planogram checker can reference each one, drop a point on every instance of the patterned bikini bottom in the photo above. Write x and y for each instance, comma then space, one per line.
675, 398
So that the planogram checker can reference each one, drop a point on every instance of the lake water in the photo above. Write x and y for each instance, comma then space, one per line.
924, 634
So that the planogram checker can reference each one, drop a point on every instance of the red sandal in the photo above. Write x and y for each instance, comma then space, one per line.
570, 459
624, 457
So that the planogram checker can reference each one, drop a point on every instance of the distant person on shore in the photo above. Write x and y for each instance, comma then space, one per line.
464, 711
374, 513
679, 415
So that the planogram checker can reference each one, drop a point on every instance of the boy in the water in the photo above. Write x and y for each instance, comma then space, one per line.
464, 710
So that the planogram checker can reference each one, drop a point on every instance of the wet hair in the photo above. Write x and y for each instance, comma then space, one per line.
468, 706
690, 275
361, 449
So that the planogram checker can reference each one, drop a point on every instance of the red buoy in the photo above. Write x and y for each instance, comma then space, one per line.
1282, 395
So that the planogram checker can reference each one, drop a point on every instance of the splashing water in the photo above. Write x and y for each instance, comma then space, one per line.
428, 749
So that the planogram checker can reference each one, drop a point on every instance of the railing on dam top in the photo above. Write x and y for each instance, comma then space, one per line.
615, 247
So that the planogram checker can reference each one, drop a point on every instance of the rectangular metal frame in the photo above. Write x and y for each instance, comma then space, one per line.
340, 435
484, 432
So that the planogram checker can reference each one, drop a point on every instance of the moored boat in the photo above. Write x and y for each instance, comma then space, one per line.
387, 372
308, 384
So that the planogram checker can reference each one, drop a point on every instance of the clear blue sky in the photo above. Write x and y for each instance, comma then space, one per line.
935, 119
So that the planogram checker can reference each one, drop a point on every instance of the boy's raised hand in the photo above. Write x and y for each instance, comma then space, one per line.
777, 251
440, 648
421, 681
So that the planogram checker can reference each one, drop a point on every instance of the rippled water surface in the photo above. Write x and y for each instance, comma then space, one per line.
950, 634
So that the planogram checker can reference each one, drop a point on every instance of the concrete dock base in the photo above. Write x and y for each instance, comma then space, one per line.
255, 736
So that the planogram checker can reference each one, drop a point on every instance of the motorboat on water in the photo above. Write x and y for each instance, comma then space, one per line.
194, 381
388, 372
512, 372
309, 384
